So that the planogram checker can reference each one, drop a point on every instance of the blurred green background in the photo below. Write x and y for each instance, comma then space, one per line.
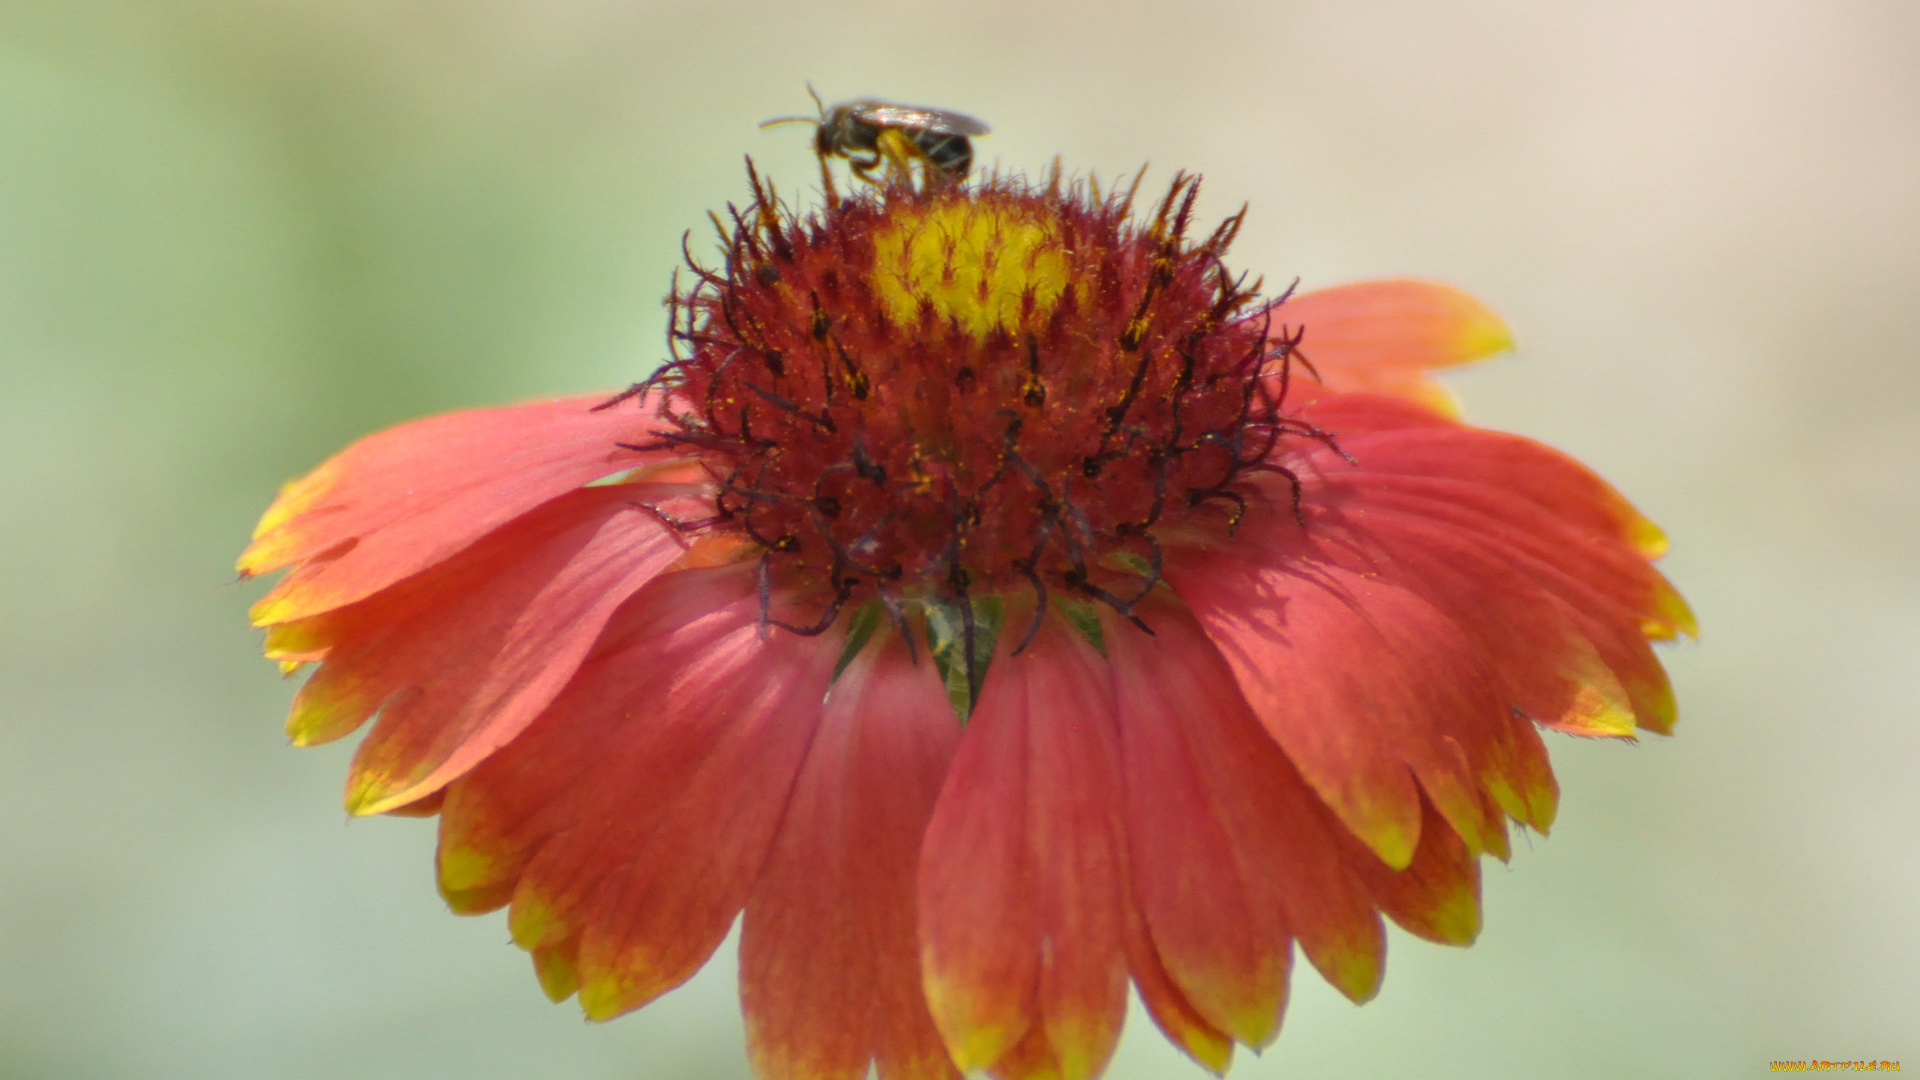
236, 234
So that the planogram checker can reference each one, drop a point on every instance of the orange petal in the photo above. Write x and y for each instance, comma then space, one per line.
1536, 661
829, 953
1221, 941
461, 658
1078, 837
1292, 852
1437, 896
635, 814
401, 500
1030, 1059
654, 921
1382, 337
1171, 1011
614, 734
664, 906
1022, 887
1605, 590
980, 923
1482, 563
1362, 736
1558, 484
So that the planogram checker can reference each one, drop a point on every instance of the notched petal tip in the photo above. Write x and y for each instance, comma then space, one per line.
1356, 969
1673, 617
606, 997
371, 793
534, 922
1214, 1052
557, 971
324, 710
470, 881
295, 498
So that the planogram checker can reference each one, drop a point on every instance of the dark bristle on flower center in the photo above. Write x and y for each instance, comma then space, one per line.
931, 393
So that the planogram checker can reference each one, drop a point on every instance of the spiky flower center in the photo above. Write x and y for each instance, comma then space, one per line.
931, 394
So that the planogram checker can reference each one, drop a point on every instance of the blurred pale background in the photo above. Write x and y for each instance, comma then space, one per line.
236, 234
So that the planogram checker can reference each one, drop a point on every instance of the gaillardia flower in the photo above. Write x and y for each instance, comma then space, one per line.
997, 602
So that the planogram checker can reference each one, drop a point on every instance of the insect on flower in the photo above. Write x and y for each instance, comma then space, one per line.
869, 132
982, 608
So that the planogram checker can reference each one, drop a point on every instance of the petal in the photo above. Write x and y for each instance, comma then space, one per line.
1531, 488
461, 658
1535, 659
1350, 415
1382, 336
1519, 466
1078, 843
1032, 1058
1365, 685
1549, 670
1022, 877
1437, 896
829, 953
1171, 1011
692, 628
633, 817
1608, 593
980, 924
1221, 940
1486, 565
651, 925
1291, 853
401, 500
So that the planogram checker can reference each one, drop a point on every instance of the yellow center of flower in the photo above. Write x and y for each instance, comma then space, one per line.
982, 266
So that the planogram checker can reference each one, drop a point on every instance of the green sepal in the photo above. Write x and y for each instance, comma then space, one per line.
859, 630
1084, 617
963, 675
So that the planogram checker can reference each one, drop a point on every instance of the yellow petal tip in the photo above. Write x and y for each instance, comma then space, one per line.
558, 974
368, 795
601, 999
1482, 333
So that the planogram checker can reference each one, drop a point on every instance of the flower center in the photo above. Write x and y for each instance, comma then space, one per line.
931, 394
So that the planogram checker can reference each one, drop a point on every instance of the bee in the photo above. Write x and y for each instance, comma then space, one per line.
868, 132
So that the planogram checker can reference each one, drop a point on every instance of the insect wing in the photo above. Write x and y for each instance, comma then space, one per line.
916, 118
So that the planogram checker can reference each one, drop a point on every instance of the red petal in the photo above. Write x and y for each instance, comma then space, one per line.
636, 813
1383, 336
1022, 886
1171, 1011
1291, 852
1350, 415
1518, 466
592, 744
1609, 594
461, 658
1365, 686
1488, 566
829, 954
1536, 659
654, 922
1079, 845
399, 501
1031, 1058
1549, 670
1218, 937
1437, 896
980, 924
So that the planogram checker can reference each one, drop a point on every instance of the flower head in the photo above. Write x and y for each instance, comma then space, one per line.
997, 601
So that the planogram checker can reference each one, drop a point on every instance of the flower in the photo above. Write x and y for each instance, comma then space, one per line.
997, 602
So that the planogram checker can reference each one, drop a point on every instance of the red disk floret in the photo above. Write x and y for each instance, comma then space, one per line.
931, 393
